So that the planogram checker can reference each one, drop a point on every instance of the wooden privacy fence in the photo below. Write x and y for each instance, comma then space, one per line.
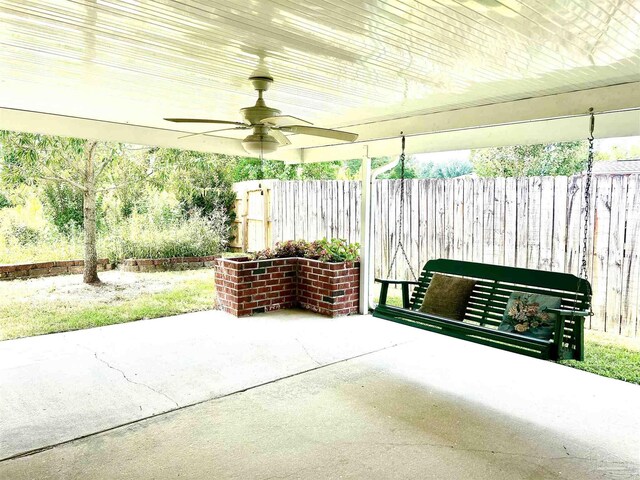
533, 222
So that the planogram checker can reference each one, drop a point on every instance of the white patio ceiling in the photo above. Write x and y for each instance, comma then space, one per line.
112, 69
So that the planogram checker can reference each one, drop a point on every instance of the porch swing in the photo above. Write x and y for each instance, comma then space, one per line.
531, 312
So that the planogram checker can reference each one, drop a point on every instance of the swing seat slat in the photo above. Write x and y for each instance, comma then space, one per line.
494, 285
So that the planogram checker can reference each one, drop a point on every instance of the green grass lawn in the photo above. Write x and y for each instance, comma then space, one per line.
610, 356
607, 355
40, 306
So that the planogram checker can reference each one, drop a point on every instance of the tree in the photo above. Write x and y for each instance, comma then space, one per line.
566, 158
88, 166
410, 167
351, 168
255, 169
202, 181
450, 169
616, 152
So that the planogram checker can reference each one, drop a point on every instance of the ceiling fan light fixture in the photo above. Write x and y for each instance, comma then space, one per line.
258, 144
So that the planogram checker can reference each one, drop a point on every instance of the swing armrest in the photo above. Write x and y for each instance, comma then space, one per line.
404, 284
578, 316
569, 313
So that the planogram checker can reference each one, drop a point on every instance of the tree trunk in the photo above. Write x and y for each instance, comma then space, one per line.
89, 212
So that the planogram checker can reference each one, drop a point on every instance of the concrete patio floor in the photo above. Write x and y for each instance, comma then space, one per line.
295, 395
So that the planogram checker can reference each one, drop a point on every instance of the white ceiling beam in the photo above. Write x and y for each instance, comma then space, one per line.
67, 126
557, 118
619, 124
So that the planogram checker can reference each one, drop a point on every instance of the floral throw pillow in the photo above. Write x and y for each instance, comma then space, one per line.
527, 314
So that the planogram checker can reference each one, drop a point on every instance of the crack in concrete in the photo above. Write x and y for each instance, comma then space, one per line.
134, 382
307, 352
480, 450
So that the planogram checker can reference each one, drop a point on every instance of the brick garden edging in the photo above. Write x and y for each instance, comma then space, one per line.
48, 269
165, 264
245, 287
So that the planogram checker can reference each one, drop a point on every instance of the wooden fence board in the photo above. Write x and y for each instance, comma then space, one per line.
478, 219
600, 248
510, 222
468, 220
559, 227
533, 227
390, 267
431, 218
354, 220
488, 200
574, 225
615, 254
499, 207
422, 224
546, 223
376, 216
449, 218
458, 220
522, 226
439, 201
413, 240
326, 209
631, 263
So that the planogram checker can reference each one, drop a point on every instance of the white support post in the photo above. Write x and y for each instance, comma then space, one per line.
366, 240
367, 176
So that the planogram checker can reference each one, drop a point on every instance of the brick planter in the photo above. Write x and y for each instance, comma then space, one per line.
245, 287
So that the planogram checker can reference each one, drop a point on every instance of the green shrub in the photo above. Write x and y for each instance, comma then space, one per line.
4, 201
334, 250
140, 237
24, 234
22, 242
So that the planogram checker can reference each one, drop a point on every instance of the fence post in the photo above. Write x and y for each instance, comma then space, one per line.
266, 218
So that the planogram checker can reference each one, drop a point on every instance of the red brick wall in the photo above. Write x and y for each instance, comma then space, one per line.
328, 288
247, 287
164, 264
48, 269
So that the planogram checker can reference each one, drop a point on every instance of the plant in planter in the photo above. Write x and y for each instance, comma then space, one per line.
322, 276
334, 250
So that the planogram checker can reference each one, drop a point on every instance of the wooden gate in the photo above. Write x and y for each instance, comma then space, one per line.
251, 229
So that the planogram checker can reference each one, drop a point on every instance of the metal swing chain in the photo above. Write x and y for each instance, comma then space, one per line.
400, 246
583, 275
587, 199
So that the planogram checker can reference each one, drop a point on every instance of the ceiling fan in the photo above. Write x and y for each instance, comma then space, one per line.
269, 127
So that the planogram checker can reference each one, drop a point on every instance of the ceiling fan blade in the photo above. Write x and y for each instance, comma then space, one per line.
280, 137
213, 131
203, 120
321, 132
284, 121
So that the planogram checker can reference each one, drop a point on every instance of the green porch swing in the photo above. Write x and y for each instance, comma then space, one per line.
531, 312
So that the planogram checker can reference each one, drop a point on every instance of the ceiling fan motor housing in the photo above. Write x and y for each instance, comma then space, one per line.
260, 142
